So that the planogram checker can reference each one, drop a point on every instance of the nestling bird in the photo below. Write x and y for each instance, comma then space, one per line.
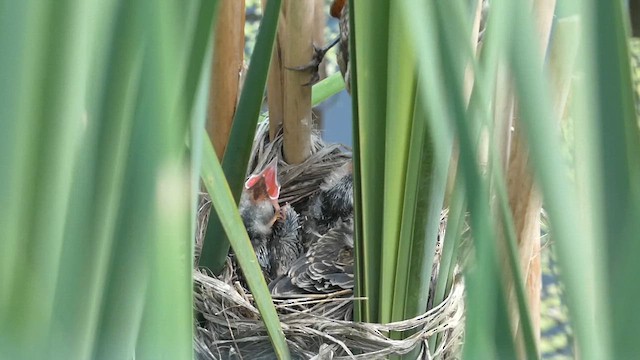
333, 202
327, 264
273, 231
326, 267
285, 246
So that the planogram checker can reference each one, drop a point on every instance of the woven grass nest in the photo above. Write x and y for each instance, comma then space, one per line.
315, 326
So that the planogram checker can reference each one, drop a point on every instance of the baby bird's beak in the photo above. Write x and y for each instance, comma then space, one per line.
270, 178
270, 174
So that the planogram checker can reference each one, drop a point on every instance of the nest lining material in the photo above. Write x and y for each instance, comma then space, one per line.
316, 326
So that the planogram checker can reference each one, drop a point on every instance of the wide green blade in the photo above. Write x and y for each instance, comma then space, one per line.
371, 22
401, 83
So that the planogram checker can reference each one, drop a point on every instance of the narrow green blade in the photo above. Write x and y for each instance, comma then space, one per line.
222, 199
236, 156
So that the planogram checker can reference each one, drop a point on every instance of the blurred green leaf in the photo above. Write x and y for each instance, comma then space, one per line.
98, 248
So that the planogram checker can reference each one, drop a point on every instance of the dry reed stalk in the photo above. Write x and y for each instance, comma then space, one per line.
524, 198
297, 121
525, 203
319, 26
563, 53
225, 72
275, 81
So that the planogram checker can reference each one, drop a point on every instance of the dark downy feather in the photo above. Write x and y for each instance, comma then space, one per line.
327, 266
333, 202
285, 246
